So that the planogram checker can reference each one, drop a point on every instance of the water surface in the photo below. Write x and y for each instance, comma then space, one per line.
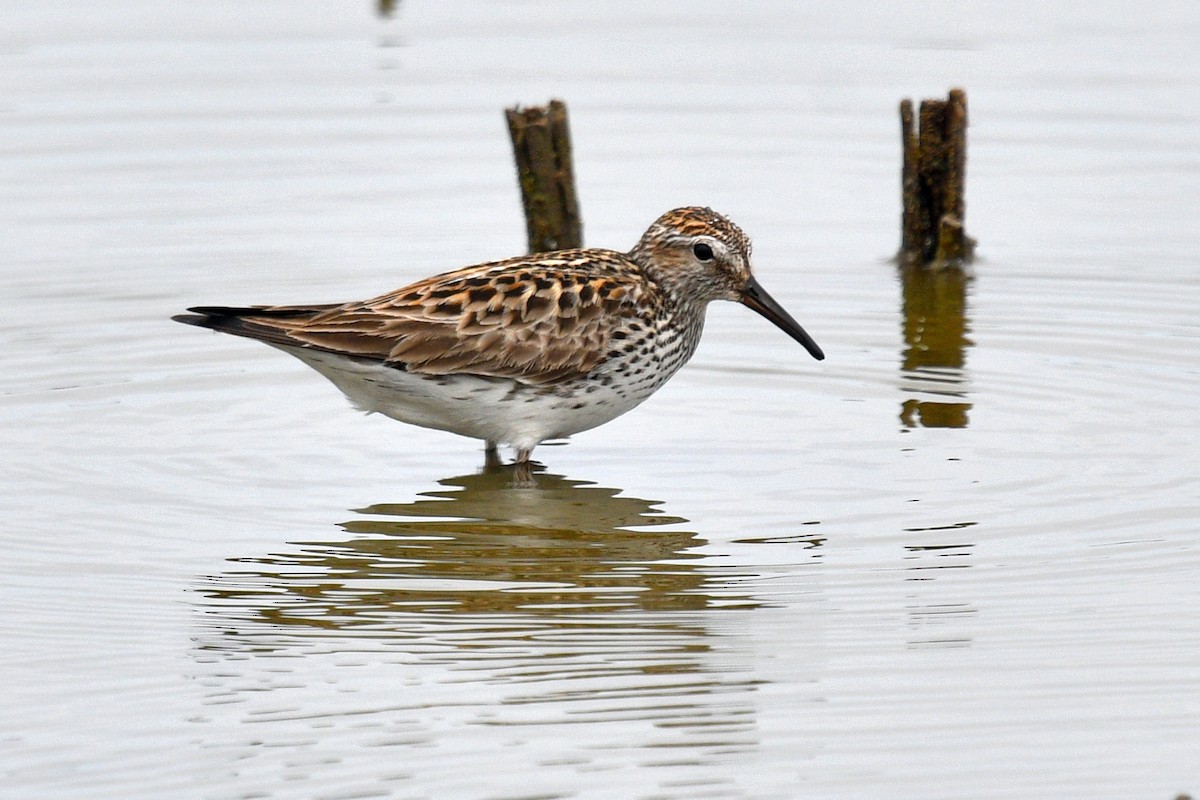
956, 559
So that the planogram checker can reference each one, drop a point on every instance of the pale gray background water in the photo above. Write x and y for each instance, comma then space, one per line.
961, 564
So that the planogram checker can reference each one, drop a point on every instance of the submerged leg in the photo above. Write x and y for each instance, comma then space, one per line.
491, 456
523, 468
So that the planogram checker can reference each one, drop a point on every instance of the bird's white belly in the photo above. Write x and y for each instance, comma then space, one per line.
494, 409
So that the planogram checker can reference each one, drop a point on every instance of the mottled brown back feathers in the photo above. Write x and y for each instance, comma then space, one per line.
539, 319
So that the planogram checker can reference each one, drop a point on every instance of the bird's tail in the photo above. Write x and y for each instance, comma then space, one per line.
253, 322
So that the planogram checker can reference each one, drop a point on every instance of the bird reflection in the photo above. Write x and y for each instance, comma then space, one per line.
528, 606
480, 544
935, 345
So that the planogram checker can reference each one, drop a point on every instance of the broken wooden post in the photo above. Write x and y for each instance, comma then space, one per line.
932, 231
542, 148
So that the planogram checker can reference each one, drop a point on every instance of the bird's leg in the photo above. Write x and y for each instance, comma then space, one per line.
491, 456
523, 468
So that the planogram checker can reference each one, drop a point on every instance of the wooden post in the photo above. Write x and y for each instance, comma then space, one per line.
542, 148
932, 231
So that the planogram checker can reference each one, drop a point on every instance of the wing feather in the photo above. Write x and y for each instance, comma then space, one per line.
538, 319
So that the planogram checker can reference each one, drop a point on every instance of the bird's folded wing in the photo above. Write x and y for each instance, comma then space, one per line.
535, 321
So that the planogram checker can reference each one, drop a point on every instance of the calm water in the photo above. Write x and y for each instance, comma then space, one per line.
957, 559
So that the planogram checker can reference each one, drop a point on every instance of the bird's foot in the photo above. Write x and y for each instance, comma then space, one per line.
523, 475
523, 469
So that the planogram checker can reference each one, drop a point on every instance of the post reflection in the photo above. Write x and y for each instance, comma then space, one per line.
938, 615
936, 328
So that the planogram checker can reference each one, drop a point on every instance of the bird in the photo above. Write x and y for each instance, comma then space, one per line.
528, 349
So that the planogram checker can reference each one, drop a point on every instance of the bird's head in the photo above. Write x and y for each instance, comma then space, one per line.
699, 255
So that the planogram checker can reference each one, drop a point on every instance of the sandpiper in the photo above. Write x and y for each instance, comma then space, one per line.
531, 348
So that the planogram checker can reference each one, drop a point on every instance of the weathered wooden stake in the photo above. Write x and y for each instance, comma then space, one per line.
542, 147
932, 229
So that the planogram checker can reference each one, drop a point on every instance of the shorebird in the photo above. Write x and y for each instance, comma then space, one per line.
528, 349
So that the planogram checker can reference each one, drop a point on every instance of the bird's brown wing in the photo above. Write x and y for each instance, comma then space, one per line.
538, 319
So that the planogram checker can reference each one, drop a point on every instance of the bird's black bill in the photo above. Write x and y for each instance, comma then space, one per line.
756, 297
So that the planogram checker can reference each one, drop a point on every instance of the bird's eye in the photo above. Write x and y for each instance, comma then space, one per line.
703, 251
